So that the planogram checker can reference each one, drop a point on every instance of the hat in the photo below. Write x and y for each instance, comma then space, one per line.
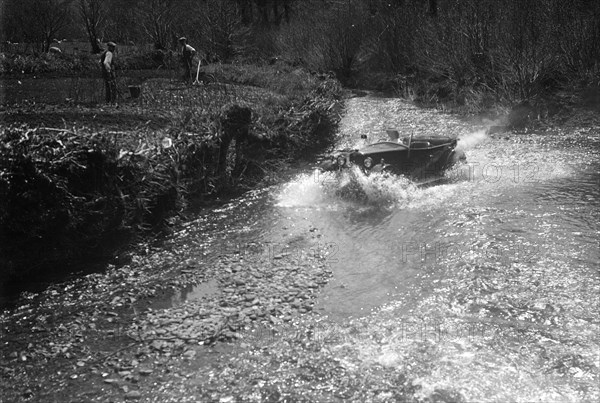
114, 45
183, 38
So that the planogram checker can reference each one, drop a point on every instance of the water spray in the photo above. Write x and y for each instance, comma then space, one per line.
471, 140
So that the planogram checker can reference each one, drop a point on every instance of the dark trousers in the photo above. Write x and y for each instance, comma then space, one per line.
111, 91
187, 70
110, 87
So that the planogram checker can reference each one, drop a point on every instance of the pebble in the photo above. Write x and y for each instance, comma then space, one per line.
133, 394
250, 292
189, 354
157, 344
111, 381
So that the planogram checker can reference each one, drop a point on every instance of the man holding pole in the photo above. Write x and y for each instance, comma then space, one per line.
187, 55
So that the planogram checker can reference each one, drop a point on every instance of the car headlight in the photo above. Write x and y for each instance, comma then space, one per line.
368, 162
341, 160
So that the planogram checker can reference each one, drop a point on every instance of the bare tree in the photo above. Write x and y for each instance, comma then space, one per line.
35, 22
158, 21
93, 13
245, 7
124, 26
46, 18
223, 31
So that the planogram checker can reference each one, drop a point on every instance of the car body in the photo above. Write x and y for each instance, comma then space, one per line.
412, 156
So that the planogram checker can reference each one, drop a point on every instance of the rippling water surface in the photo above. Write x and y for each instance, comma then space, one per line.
487, 283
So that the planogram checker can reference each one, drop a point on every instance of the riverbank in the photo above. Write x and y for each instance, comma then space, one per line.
80, 179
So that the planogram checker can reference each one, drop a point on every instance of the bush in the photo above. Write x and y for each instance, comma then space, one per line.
64, 195
281, 78
301, 114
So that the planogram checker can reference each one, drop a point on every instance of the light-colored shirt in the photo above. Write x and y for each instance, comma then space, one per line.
187, 48
108, 61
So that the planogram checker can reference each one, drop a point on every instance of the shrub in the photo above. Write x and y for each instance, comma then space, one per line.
64, 195
300, 115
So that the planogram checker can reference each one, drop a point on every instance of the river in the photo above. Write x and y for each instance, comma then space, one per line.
486, 283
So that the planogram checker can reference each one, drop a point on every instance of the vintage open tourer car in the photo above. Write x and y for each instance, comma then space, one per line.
414, 156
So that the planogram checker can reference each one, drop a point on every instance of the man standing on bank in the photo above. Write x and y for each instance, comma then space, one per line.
107, 61
187, 55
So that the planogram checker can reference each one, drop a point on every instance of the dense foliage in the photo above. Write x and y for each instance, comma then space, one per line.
67, 194
474, 52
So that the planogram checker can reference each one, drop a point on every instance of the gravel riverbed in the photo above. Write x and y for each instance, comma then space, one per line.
104, 335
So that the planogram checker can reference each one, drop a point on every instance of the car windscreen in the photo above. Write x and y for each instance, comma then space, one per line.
384, 146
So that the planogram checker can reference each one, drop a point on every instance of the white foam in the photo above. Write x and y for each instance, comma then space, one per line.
471, 140
351, 187
303, 190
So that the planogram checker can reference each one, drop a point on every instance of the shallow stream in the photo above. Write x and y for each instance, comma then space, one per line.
487, 283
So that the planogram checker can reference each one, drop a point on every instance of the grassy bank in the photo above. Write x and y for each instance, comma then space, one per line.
77, 181
85, 64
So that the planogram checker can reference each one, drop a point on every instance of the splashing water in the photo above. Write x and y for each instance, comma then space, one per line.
376, 190
352, 188
304, 190
485, 285
469, 141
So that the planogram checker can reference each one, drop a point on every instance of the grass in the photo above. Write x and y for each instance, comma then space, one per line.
79, 64
86, 179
